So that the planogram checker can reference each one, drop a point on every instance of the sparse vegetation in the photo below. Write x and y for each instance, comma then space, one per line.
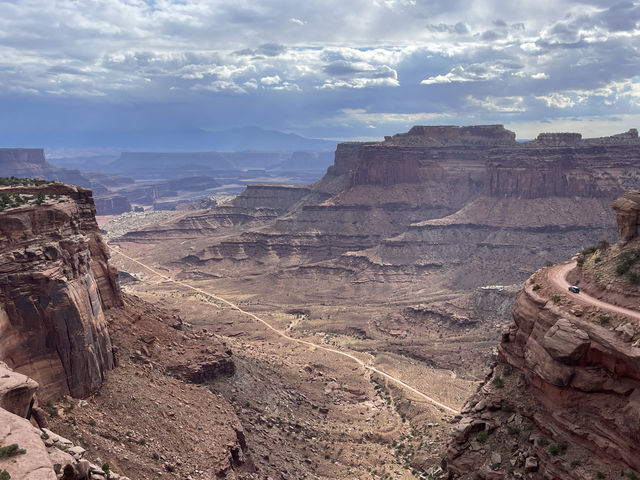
556, 449
14, 182
536, 287
507, 369
482, 436
513, 430
11, 451
506, 407
4, 475
626, 260
600, 475
542, 441
604, 319
498, 382
555, 298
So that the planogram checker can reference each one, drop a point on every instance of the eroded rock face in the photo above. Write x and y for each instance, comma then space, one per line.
55, 281
627, 209
572, 384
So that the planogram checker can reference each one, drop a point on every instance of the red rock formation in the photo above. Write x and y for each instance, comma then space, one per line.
627, 209
55, 280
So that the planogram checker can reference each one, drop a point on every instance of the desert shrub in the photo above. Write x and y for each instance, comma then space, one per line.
498, 382
4, 475
589, 250
482, 436
556, 449
597, 259
632, 476
542, 441
626, 260
634, 277
513, 430
507, 369
555, 298
600, 475
580, 261
604, 319
536, 287
11, 451
506, 407
603, 245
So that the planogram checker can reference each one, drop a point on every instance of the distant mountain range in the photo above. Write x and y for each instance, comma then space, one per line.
187, 140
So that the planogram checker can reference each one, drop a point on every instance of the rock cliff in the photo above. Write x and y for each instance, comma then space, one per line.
563, 400
31, 163
55, 284
455, 201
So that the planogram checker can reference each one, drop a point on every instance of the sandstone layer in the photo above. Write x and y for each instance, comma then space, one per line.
563, 402
55, 284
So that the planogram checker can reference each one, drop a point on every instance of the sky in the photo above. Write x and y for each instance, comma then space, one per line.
98, 71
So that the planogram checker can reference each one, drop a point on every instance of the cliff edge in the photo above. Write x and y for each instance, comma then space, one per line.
55, 283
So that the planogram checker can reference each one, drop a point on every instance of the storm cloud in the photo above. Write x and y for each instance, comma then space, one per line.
330, 69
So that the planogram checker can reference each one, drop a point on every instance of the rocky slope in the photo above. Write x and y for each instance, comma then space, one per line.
563, 400
64, 328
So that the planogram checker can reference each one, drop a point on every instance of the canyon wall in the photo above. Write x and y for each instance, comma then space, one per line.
55, 283
564, 399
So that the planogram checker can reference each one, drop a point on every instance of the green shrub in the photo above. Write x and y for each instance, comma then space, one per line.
589, 250
482, 436
626, 260
513, 430
498, 382
4, 475
11, 451
603, 245
604, 319
601, 475
555, 298
634, 277
506, 407
542, 441
536, 287
507, 369
556, 449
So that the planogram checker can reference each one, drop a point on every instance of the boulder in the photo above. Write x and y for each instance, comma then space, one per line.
16, 391
566, 343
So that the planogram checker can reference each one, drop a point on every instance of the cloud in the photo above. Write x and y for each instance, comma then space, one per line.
249, 59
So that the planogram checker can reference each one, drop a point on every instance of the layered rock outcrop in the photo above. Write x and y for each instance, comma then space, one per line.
563, 402
55, 282
31, 163
627, 209
463, 200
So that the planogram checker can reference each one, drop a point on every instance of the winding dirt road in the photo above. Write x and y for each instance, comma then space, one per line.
558, 276
293, 339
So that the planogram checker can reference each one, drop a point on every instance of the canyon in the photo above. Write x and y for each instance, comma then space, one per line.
346, 321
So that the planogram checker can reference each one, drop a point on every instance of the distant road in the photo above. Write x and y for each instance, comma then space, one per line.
558, 276
293, 339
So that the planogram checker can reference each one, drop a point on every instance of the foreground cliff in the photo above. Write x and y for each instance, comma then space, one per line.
55, 284
563, 401
64, 328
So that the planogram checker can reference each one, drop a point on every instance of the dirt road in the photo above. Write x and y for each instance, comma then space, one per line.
558, 275
292, 339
